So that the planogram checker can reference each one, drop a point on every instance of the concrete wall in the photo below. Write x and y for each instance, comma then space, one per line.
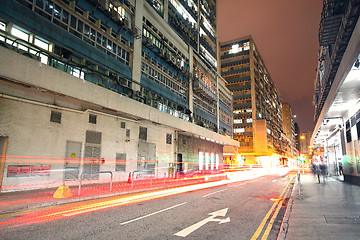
31, 90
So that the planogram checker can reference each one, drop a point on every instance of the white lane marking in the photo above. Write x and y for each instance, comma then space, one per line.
212, 218
214, 192
163, 210
236, 185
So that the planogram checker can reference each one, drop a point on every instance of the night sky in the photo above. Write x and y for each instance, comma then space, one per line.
286, 34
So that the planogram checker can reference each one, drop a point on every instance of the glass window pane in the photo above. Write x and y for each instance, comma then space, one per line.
93, 34
73, 22
40, 3
86, 30
114, 48
49, 6
109, 45
65, 17
104, 40
41, 44
57, 11
80, 26
19, 34
98, 38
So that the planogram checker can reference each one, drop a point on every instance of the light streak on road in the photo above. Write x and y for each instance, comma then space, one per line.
74, 209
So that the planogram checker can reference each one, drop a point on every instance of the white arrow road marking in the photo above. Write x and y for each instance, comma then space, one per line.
163, 210
212, 218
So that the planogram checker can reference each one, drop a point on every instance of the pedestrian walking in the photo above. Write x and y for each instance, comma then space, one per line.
340, 169
323, 170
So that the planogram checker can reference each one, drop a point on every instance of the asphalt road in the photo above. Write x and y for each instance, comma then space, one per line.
241, 210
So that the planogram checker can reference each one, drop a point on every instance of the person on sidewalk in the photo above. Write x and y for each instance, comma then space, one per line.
323, 170
340, 169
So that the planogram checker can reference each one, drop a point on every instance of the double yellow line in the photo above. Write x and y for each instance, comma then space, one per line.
275, 210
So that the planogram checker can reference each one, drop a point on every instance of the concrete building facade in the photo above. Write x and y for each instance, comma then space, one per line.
289, 129
257, 104
103, 86
337, 89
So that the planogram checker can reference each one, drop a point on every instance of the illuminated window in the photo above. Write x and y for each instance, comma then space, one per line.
239, 130
41, 43
249, 120
237, 120
234, 48
20, 34
2, 26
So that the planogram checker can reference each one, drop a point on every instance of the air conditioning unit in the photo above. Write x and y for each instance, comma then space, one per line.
173, 59
162, 52
167, 55
114, 15
127, 23
149, 41
103, 4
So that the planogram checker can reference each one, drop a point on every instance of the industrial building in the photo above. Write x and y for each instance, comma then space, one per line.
336, 137
97, 86
257, 105
289, 129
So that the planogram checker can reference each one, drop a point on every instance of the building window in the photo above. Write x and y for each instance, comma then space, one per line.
239, 130
92, 118
168, 138
143, 133
93, 137
120, 162
55, 117
122, 124
128, 133
20, 34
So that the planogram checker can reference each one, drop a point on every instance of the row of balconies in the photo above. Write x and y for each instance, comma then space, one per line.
238, 79
207, 46
235, 71
227, 55
202, 88
191, 10
185, 27
235, 62
235, 88
213, 38
242, 105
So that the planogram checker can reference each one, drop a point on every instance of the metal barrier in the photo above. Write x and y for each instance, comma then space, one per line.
93, 172
140, 171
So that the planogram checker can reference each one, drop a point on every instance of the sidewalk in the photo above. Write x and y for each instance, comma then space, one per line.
328, 210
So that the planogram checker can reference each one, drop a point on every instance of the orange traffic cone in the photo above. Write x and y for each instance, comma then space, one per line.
129, 178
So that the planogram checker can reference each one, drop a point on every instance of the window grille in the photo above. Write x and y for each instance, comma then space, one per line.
168, 138
55, 117
143, 133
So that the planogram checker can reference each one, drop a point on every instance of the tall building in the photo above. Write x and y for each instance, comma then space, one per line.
337, 89
305, 142
297, 136
289, 128
109, 85
256, 101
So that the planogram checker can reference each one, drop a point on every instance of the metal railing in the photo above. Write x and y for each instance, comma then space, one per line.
93, 172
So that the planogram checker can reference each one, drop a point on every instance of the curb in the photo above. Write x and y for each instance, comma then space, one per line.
285, 222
